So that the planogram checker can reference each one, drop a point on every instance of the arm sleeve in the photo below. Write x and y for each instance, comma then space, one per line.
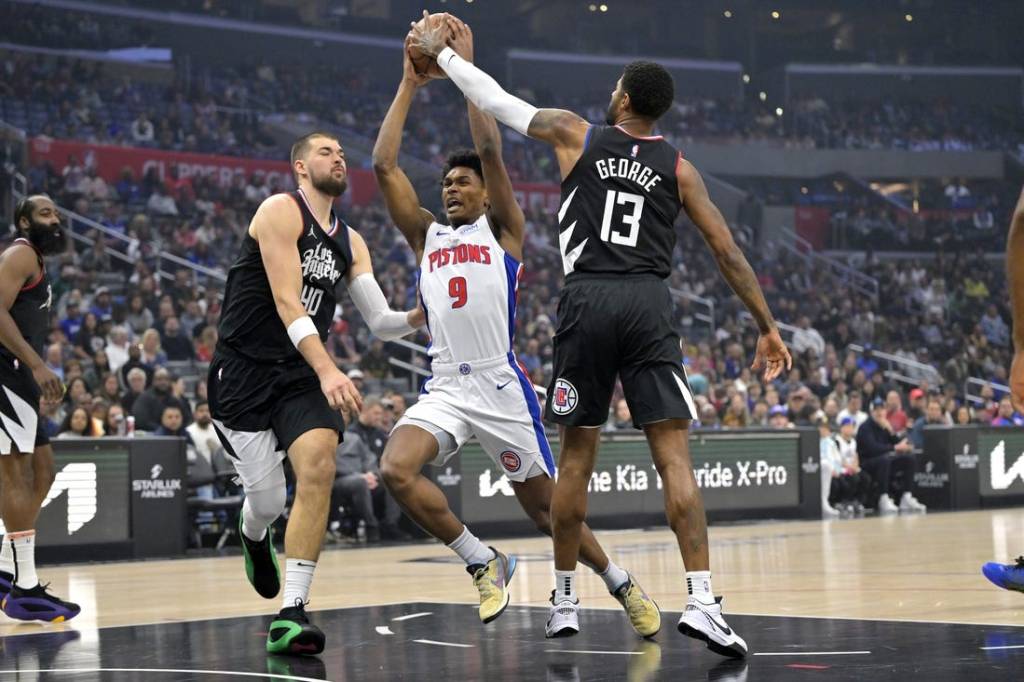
484, 91
383, 322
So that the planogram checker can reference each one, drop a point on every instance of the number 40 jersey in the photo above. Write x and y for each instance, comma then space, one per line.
619, 205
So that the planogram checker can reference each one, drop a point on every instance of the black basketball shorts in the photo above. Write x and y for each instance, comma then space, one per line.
260, 409
617, 325
21, 429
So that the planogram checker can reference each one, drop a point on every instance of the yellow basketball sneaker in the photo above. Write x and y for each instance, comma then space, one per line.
644, 615
492, 581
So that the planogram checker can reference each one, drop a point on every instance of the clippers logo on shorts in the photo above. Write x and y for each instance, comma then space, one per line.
565, 398
511, 461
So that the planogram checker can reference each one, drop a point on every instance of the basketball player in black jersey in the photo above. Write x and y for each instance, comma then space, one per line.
622, 189
274, 390
26, 458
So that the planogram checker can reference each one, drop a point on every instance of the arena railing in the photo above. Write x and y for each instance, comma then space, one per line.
912, 371
800, 247
974, 396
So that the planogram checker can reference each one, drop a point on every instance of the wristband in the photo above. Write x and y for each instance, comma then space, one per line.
300, 328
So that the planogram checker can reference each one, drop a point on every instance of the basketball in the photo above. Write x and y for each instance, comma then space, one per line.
424, 64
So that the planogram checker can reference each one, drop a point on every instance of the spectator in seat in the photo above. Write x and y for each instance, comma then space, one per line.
152, 354
148, 409
778, 419
358, 483
894, 412
853, 409
917, 405
964, 417
136, 380
176, 345
139, 318
854, 484
55, 360
78, 424
933, 416
117, 348
994, 328
883, 453
202, 433
142, 130
1006, 415
807, 338
831, 468
172, 423
368, 426
358, 378
375, 361
621, 420
737, 415
114, 424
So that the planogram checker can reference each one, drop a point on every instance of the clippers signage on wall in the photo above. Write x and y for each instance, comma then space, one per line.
737, 473
1002, 462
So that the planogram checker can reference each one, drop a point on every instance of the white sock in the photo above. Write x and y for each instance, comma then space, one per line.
565, 586
698, 584
298, 575
252, 526
6, 558
470, 549
613, 577
23, 549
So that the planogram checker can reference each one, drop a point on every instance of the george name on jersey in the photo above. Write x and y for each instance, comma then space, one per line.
645, 176
456, 255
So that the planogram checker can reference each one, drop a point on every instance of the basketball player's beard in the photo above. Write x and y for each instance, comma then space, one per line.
47, 238
329, 185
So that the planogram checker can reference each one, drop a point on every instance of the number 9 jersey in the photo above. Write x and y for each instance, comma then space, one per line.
619, 205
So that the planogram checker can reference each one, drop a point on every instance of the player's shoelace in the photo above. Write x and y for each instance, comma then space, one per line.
635, 606
1019, 562
486, 586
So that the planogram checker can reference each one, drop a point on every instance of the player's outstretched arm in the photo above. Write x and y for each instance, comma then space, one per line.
399, 195
18, 265
384, 322
772, 354
504, 209
276, 227
1015, 281
563, 130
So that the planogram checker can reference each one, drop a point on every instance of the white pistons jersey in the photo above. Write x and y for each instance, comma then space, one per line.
468, 288
478, 389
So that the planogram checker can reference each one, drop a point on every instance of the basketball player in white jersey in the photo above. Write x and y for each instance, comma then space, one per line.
469, 272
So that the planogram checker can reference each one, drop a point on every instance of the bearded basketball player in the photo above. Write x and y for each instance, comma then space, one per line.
26, 457
622, 188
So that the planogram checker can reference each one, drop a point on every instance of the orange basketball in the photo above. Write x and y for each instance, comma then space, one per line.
424, 65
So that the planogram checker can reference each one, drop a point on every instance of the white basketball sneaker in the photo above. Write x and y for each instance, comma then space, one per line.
886, 505
564, 618
704, 622
909, 503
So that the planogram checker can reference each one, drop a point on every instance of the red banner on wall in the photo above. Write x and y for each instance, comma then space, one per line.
109, 160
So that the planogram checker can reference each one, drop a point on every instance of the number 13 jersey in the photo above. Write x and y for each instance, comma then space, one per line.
619, 205
468, 289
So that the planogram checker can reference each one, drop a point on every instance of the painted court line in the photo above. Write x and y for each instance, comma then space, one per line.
411, 616
811, 653
581, 651
454, 644
274, 676
384, 630
1008, 646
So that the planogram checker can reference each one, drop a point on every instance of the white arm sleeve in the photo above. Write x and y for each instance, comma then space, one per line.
484, 91
384, 322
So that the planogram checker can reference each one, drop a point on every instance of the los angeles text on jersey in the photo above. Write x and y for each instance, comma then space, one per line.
645, 176
456, 255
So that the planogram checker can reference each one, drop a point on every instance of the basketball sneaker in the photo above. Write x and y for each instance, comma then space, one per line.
644, 615
564, 618
492, 582
704, 622
909, 503
1006, 576
37, 603
292, 633
886, 506
261, 563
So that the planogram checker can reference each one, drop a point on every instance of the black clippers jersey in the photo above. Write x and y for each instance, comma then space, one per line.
31, 309
249, 323
619, 206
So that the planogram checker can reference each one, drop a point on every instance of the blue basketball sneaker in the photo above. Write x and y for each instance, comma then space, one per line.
1006, 576
6, 581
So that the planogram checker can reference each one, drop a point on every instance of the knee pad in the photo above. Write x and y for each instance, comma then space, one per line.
266, 499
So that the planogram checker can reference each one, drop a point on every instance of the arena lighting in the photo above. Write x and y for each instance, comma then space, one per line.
776, 14
763, 95
592, 8
803, 190
746, 78
604, 8
727, 14
908, 17
778, 111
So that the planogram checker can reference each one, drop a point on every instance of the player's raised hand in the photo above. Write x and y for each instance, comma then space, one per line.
771, 355
341, 393
49, 384
408, 70
1017, 382
461, 40
429, 37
